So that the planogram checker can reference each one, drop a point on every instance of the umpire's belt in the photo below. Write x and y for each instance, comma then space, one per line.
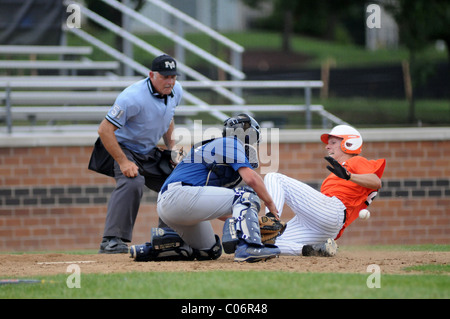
174, 184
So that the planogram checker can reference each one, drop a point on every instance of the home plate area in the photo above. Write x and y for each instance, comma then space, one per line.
351, 261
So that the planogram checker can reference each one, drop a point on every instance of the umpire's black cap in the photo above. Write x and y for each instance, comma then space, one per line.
165, 65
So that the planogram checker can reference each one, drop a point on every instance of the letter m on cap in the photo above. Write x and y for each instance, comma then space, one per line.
170, 64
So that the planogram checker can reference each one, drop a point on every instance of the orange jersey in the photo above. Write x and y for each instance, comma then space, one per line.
350, 194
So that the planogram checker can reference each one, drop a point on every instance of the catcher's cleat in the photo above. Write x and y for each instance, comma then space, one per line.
252, 254
141, 252
326, 249
213, 253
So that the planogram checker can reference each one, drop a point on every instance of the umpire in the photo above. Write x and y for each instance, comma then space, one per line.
127, 147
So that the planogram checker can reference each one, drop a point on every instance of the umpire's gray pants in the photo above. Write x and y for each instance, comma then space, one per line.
188, 210
123, 205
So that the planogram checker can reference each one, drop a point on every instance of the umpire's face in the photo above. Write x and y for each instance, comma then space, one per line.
163, 83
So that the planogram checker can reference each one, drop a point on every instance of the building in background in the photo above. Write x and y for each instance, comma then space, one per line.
386, 34
222, 16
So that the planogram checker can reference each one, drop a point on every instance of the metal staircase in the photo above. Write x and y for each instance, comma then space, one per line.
79, 98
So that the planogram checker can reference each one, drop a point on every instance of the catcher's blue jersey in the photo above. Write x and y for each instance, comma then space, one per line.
214, 163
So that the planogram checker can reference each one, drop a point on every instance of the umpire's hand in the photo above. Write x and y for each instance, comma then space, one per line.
129, 169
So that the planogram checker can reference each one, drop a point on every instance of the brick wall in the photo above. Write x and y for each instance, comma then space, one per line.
49, 200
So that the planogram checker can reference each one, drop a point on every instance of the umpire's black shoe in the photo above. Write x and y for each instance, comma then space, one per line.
113, 245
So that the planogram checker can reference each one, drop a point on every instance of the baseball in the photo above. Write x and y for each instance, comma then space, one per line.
364, 214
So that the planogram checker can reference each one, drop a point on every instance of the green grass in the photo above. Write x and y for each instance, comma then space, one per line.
432, 268
423, 247
343, 55
361, 112
367, 112
235, 285
427, 282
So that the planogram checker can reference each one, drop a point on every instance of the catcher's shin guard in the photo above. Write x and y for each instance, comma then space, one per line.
163, 238
211, 254
230, 238
247, 227
166, 245
147, 252
244, 224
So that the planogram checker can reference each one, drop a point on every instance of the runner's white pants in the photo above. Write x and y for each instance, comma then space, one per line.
317, 217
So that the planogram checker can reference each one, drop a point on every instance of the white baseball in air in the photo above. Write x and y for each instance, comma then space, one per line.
364, 214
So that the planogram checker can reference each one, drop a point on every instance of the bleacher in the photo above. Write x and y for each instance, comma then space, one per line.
60, 88
28, 97
31, 97
41, 102
63, 59
36, 102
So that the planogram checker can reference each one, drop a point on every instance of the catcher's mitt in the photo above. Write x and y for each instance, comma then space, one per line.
270, 228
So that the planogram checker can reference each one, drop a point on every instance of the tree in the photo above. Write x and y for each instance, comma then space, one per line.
108, 12
113, 15
319, 18
421, 22
285, 9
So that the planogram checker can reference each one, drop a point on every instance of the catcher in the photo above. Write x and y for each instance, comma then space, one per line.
202, 188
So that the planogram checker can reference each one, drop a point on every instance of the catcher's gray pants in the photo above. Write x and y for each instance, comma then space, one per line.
188, 210
123, 205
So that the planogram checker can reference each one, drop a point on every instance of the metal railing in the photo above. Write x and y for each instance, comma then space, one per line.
236, 50
152, 50
199, 26
70, 102
76, 98
234, 71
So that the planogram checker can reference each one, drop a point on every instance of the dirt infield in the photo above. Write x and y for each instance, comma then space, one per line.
390, 262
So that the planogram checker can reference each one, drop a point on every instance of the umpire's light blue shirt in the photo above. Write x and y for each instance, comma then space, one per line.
143, 118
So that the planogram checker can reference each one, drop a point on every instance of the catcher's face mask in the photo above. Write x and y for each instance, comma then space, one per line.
247, 130
244, 127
